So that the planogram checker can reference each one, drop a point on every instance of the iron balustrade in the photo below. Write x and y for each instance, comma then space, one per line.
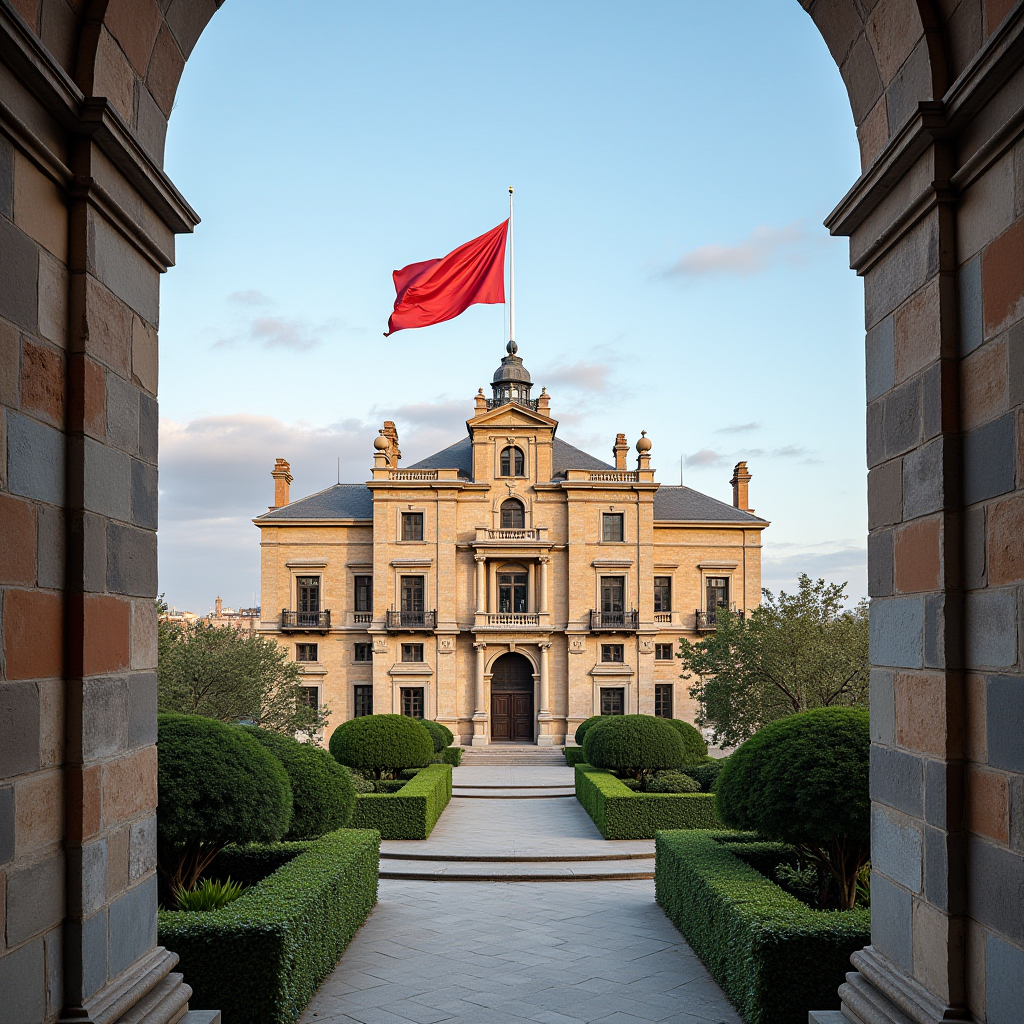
526, 403
411, 620
624, 621
305, 620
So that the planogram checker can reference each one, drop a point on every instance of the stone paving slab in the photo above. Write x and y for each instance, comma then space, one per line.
542, 952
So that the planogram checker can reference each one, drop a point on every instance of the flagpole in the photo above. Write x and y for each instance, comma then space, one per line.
511, 276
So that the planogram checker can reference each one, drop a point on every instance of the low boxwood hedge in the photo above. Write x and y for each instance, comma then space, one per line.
410, 813
573, 756
774, 957
619, 813
452, 756
293, 926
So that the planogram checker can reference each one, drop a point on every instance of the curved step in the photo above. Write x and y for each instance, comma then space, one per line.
532, 785
548, 871
512, 858
510, 796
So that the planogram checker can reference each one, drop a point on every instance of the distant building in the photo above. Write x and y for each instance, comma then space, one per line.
242, 618
510, 586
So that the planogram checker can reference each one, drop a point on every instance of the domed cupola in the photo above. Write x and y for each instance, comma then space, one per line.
511, 381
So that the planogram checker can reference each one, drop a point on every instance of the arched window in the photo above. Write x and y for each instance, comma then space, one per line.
512, 462
513, 516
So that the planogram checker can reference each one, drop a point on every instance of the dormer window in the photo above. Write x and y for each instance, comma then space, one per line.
513, 515
513, 462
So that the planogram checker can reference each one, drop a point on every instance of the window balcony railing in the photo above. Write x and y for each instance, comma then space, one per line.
513, 620
305, 620
411, 620
704, 622
662, 616
526, 403
616, 622
362, 618
513, 533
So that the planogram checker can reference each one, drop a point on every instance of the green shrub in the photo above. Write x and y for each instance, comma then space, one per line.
774, 957
410, 813
695, 747
672, 782
294, 924
804, 780
584, 727
633, 785
440, 734
382, 744
389, 785
209, 894
573, 756
452, 756
634, 745
619, 813
322, 792
360, 783
707, 773
216, 786
250, 863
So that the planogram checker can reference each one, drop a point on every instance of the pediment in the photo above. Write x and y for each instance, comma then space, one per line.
510, 415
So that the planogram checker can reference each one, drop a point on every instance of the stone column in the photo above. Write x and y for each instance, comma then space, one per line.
479, 712
492, 604
481, 584
544, 560
531, 590
544, 736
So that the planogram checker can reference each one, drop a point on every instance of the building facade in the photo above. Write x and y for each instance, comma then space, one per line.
509, 586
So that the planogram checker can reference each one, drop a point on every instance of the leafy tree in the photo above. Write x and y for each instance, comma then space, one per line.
232, 675
793, 653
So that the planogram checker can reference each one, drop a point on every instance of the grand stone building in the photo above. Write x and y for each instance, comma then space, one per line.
509, 586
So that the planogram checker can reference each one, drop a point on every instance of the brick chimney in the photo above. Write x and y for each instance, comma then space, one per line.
282, 474
220, 608
740, 482
619, 450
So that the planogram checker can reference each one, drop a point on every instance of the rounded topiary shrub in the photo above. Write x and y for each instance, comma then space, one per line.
440, 734
382, 744
584, 727
216, 786
804, 780
672, 782
695, 747
706, 773
633, 745
322, 792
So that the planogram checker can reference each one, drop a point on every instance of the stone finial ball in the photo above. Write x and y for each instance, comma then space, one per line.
380, 442
644, 444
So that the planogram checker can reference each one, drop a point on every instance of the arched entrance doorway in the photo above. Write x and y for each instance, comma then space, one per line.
512, 699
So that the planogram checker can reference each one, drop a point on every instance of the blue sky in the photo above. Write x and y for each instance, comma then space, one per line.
673, 162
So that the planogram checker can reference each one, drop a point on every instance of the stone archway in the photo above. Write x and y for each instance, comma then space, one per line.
513, 716
937, 233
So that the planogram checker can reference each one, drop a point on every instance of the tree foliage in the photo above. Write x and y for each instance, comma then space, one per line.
232, 675
804, 780
792, 653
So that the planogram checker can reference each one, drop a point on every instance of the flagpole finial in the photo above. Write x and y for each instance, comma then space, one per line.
510, 190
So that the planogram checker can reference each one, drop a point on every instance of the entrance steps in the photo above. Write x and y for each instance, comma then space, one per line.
496, 868
500, 754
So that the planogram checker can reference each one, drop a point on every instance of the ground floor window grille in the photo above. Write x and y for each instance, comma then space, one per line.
412, 701
311, 696
663, 700
613, 700
363, 701
662, 652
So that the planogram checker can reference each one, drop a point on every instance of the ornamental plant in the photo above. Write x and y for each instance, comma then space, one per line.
803, 780
584, 727
322, 792
695, 747
440, 734
216, 785
382, 745
635, 746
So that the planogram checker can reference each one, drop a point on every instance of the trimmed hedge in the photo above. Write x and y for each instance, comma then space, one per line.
410, 813
620, 813
452, 756
293, 926
707, 773
695, 747
382, 744
634, 744
774, 957
573, 756
440, 734
584, 727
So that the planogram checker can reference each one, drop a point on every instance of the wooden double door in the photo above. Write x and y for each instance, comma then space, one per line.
512, 699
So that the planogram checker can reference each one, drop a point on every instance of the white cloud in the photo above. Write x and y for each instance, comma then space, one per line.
739, 428
835, 562
762, 249
270, 332
250, 297
705, 457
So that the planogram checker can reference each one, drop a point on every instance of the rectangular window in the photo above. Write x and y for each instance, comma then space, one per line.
362, 652
663, 700
306, 652
717, 593
662, 652
663, 593
363, 703
613, 594
412, 701
613, 700
364, 593
412, 526
412, 652
613, 526
412, 594
612, 652
311, 696
307, 590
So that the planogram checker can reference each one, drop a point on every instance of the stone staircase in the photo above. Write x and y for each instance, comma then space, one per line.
501, 754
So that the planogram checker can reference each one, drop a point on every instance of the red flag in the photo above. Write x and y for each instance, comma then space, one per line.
437, 290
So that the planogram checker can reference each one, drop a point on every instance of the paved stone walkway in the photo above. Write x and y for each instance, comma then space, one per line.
595, 952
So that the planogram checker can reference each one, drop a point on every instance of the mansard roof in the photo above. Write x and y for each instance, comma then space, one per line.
340, 501
686, 504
